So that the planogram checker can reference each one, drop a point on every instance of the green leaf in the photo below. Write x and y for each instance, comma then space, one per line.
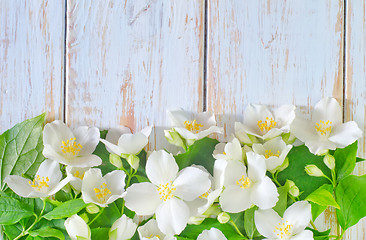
298, 158
238, 219
12, 231
99, 233
358, 159
316, 210
192, 231
108, 217
320, 235
281, 204
323, 196
351, 195
12, 210
249, 223
345, 159
66, 209
21, 148
200, 153
47, 232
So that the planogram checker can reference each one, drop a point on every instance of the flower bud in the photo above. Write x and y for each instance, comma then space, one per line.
85, 217
115, 160
174, 138
322, 152
196, 220
92, 208
134, 161
77, 228
288, 138
313, 170
292, 188
329, 160
223, 217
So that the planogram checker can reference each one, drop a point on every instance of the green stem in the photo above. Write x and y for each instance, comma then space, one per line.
36, 220
313, 225
95, 218
131, 174
236, 228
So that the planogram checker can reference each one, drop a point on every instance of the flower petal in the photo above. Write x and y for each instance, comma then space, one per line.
211, 234
112, 148
190, 183
115, 181
92, 179
284, 116
256, 167
265, 195
50, 169
327, 109
212, 129
84, 161
235, 199
233, 172
22, 187
146, 131
88, 137
299, 215
172, 216
125, 229
115, 133
178, 117
132, 143
345, 134
266, 222
161, 167
304, 235
142, 198
254, 113
56, 132
304, 129
76, 227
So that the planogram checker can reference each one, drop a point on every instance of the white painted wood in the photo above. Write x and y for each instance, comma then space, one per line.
130, 61
31, 60
355, 94
273, 53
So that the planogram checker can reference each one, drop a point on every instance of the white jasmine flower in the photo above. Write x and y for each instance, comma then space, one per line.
150, 230
46, 182
122, 229
212, 234
245, 187
123, 143
325, 130
102, 190
291, 226
259, 121
192, 128
274, 151
229, 151
77, 228
77, 175
73, 148
166, 194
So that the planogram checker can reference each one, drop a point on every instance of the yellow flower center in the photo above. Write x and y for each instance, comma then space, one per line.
193, 126
152, 235
266, 125
283, 230
102, 192
243, 182
205, 195
39, 183
70, 146
324, 128
78, 175
269, 153
166, 191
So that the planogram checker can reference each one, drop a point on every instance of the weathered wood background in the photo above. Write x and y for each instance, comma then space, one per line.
109, 63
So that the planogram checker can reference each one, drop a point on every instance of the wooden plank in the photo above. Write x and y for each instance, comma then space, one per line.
31, 60
355, 86
273, 53
130, 61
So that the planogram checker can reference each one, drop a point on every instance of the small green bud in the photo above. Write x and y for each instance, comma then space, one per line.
92, 208
329, 160
174, 138
223, 217
115, 160
313, 170
323, 152
288, 138
84, 216
214, 210
134, 161
292, 188
196, 220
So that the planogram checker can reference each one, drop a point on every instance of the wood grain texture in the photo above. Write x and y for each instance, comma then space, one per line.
355, 86
31, 60
273, 53
130, 61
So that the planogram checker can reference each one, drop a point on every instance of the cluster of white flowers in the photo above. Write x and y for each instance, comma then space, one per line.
175, 198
